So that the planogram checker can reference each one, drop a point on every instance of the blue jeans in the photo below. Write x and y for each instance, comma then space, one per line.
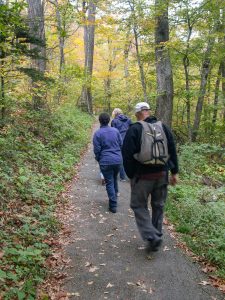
122, 173
110, 173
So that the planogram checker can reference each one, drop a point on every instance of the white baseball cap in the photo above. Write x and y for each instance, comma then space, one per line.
141, 106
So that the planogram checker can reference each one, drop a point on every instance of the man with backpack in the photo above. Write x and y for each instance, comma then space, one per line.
149, 153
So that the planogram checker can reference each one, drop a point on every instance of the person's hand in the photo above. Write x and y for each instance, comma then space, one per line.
173, 179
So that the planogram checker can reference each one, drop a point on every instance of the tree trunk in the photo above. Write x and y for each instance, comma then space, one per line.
37, 29
223, 89
140, 66
204, 76
61, 37
108, 93
126, 72
2, 95
216, 97
188, 98
164, 105
89, 37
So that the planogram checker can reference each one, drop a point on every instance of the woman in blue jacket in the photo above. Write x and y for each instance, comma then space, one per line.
122, 123
107, 143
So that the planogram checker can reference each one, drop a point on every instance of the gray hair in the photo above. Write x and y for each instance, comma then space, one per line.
116, 112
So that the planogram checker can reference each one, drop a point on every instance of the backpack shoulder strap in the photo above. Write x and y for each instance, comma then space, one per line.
145, 125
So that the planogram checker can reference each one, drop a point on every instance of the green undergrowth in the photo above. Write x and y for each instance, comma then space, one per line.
37, 157
197, 204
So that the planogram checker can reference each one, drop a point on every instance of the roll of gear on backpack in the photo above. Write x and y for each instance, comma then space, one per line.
154, 148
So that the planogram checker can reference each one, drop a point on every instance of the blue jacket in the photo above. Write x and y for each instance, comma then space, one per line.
122, 123
107, 143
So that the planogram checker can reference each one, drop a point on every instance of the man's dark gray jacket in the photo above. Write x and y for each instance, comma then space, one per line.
132, 145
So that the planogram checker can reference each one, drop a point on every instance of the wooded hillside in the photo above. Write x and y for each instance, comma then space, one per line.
64, 61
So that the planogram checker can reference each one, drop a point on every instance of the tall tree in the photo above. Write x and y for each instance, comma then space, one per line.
134, 26
205, 70
89, 13
37, 29
164, 105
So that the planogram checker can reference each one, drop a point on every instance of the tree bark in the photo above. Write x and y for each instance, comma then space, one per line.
2, 94
140, 65
126, 71
37, 29
223, 89
216, 97
164, 105
89, 37
204, 76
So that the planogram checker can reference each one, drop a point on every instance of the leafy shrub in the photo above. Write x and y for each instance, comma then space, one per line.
37, 156
196, 206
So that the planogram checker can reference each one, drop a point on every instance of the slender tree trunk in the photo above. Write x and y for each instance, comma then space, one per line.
89, 37
108, 93
164, 105
204, 76
216, 97
37, 29
2, 95
60, 37
188, 98
223, 64
126, 72
223, 89
140, 66
2, 82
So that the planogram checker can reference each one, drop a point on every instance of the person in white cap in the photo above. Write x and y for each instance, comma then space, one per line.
148, 179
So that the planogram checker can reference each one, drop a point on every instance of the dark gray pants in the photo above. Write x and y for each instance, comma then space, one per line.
148, 227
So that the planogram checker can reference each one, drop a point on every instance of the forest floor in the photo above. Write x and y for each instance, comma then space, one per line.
107, 259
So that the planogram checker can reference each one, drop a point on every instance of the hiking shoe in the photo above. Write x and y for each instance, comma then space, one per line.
154, 245
112, 210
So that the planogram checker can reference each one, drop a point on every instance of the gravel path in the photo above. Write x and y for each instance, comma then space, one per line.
107, 254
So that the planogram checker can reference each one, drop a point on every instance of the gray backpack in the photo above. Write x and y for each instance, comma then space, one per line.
154, 148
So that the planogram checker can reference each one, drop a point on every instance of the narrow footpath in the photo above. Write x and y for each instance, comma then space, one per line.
107, 254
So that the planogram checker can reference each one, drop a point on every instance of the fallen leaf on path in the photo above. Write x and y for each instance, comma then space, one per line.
209, 269
74, 294
149, 257
90, 282
109, 285
141, 248
165, 222
102, 265
130, 283
88, 264
111, 234
150, 291
166, 248
93, 269
204, 282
